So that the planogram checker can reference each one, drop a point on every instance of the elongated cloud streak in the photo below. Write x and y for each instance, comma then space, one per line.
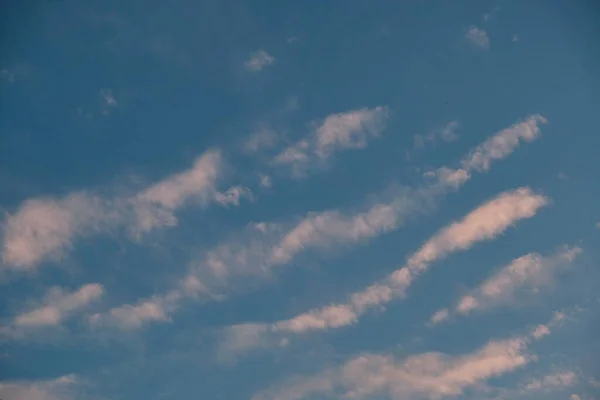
59, 305
430, 375
530, 272
484, 223
267, 245
331, 227
342, 131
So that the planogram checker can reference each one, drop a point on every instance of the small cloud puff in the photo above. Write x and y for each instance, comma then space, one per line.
259, 60
478, 38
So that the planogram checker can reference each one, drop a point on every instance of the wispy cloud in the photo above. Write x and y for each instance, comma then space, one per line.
46, 228
57, 306
337, 132
127, 316
263, 138
261, 247
529, 273
484, 223
258, 61
108, 98
552, 382
431, 375
448, 133
478, 38
62, 388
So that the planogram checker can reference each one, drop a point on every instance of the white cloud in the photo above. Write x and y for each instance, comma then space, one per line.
440, 316
531, 271
127, 316
259, 60
342, 131
484, 223
45, 228
62, 388
266, 245
108, 98
239, 339
154, 206
333, 316
478, 38
540, 331
504, 143
265, 181
263, 138
552, 382
331, 227
233, 195
429, 375
58, 305
446, 133
495, 148
327, 228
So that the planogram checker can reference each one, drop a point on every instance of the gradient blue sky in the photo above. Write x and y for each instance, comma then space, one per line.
282, 200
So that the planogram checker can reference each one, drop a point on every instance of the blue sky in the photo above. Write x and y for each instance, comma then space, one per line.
284, 201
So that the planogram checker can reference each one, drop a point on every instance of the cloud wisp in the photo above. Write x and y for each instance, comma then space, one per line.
486, 222
258, 61
45, 229
337, 132
62, 388
264, 246
57, 306
431, 375
527, 274
448, 133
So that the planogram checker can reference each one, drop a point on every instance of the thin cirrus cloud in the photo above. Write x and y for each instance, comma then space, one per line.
528, 273
266, 245
258, 61
478, 38
46, 228
448, 133
431, 375
337, 132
